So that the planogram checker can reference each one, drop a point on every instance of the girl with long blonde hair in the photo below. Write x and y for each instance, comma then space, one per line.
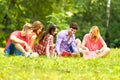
95, 45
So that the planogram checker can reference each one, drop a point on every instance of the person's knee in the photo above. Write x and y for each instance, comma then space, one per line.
17, 45
78, 41
107, 50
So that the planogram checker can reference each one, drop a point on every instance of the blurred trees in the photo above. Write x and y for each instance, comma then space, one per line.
14, 13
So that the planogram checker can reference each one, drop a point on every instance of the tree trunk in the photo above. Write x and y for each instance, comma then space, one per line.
107, 22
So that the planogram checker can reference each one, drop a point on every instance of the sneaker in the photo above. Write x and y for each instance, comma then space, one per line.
34, 54
79, 50
28, 54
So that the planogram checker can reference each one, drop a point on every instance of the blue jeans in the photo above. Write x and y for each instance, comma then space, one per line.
70, 48
11, 50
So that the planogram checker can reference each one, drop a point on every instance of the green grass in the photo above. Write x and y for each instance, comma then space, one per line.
42, 68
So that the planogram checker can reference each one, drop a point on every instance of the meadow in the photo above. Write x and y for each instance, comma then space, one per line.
74, 68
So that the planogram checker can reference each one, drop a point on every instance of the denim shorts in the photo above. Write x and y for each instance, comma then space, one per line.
11, 50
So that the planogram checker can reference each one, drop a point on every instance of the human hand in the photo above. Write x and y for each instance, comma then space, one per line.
87, 49
98, 51
27, 47
59, 54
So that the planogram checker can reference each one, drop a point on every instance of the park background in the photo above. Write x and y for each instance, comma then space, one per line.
87, 13
15, 13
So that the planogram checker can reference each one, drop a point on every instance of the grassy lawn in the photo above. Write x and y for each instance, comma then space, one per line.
42, 68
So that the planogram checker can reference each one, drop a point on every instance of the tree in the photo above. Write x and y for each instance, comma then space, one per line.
107, 22
15, 13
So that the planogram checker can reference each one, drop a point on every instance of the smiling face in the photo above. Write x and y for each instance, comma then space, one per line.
94, 32
72, 31
27, 29
52, 30
39, 30
28, 32
72, 28
38, 27
55, 32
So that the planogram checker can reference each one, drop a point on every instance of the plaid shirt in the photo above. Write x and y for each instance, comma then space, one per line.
47, 41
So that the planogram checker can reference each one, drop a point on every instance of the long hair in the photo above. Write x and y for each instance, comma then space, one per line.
50, 30
38, 25
95, 32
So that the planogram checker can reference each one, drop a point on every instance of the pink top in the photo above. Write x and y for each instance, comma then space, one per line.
18, 35
91, 45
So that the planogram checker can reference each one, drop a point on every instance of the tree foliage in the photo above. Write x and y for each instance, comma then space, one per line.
14, 13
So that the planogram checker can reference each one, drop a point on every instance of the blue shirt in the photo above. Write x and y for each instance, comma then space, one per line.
62, 43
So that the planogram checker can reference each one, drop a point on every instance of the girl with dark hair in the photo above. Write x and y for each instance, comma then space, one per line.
46, 44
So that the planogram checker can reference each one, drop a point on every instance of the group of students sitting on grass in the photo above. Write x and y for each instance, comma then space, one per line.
33, 41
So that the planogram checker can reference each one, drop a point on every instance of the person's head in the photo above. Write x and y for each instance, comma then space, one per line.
27, 29
94, 32
73, 28
52, 30
38, 27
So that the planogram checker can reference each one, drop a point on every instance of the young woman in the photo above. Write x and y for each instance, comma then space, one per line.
46, 45
95, 45
38, 30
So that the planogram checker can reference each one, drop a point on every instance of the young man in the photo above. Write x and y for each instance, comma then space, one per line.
65, 42
18, 42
